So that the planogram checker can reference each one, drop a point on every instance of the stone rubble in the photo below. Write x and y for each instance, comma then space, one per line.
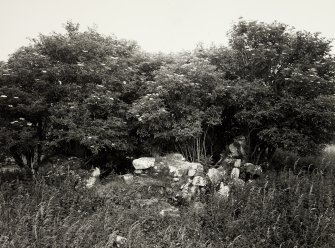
188, 181
92, 180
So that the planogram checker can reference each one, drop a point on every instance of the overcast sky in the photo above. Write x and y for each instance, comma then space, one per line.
157, 25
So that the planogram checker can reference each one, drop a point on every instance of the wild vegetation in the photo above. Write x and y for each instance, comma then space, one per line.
288, 209
104, 100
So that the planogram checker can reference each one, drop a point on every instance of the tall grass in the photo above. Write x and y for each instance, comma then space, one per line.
282, 209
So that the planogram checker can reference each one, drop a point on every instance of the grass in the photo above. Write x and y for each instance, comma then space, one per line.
281, 209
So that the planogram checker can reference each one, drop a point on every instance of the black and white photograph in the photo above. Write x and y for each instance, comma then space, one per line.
167, 124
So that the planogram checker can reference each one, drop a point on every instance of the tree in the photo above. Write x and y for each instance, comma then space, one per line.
274, 85
284, 86
72, 87
27, 90
177, 109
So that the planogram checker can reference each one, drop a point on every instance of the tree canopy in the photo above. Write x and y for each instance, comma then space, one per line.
272, 84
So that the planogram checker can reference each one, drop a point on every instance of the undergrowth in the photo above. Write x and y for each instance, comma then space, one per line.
281, 209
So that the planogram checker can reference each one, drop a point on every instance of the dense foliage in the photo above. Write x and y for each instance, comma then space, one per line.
272, 84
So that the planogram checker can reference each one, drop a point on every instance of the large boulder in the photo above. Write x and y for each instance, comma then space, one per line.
177, 166
215, 176
143, 163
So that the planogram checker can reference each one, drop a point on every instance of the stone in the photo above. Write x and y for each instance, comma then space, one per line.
115, 240
92, 180
177, 166
138, 171
222, 171
235, 173
215, 176
128, 178
176, 179
228, 162
199, 181
234, 152
185, 192
238, 182
237, 163
253, 169
176, 171
188, 192
223, 192
170, 212
143, 163
96, 172
197, 168
191, 172
120, 240
194, 191
186, 185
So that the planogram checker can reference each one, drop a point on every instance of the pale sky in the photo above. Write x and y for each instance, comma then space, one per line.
157, 25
